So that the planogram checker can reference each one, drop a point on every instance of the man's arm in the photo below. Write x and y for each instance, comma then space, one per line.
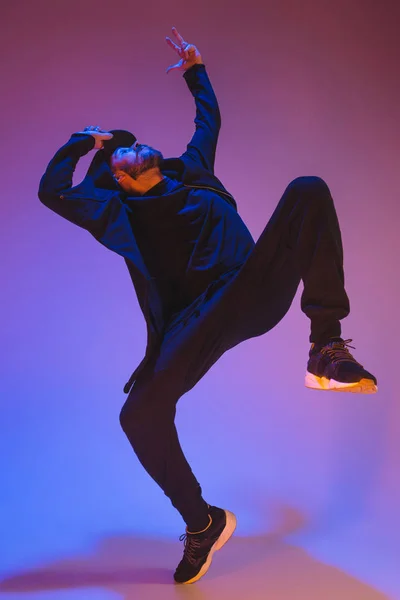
84, 204
203, 144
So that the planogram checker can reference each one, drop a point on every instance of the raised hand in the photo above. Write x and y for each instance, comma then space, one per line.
99, 135
188, 53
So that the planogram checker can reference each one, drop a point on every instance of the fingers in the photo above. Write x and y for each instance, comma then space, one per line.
95, 129
181, 51
177, 66
119, 176
190, 51
179, 38
182, 46
99, 135
172, 45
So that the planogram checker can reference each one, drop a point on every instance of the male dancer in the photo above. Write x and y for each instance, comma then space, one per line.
202, 283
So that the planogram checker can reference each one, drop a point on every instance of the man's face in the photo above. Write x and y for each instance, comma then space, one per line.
127, 164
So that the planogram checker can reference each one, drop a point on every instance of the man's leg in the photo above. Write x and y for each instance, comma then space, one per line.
302, 241
148, 420
192, 343
190, 346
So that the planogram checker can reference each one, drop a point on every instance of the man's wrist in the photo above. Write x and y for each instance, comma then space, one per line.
78, 145
193, 69
86, 141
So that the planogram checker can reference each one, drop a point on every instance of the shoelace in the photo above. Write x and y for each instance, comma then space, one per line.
338, 351
191, 545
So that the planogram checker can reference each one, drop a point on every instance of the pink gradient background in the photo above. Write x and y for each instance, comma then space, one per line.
305, 87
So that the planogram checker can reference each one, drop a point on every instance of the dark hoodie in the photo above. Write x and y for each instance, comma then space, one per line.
219, 236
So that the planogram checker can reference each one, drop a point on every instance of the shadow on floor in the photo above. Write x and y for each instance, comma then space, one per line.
248, 568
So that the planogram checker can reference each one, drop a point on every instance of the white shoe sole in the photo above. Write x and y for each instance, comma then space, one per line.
364, 386
221, 541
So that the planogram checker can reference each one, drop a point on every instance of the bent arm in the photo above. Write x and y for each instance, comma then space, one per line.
84, 204
203, 145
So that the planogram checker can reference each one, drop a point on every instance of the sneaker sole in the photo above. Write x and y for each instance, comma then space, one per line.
226, 534
364, 386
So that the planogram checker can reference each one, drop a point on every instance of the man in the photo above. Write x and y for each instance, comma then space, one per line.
202, 283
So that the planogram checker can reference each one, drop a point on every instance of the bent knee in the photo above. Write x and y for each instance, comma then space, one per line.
311, 190
146, 407
309, 181
124, 417
134, 415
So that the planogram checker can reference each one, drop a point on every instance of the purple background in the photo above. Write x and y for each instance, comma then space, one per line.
305, 87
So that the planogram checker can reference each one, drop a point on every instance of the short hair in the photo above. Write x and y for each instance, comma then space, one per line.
150, 159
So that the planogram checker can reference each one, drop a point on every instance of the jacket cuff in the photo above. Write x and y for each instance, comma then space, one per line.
83, 142
190, 74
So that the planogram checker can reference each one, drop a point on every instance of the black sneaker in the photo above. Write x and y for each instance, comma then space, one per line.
199, 548
332, 367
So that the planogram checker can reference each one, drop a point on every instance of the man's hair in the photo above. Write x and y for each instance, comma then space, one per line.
150, 159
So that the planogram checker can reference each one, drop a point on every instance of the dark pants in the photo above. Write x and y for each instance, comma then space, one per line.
302, 241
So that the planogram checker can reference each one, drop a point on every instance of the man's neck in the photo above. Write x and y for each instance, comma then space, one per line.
147, 180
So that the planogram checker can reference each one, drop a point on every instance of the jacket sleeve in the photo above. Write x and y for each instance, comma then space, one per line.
85, 204
203, 145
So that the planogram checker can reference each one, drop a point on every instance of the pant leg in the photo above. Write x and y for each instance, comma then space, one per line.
302, 241
147, 419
